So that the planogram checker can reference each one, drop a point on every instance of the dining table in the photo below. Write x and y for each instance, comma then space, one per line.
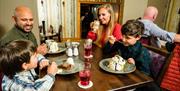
102, 80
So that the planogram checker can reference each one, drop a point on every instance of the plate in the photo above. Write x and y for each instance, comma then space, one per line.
78, 65
128, 68
62, 48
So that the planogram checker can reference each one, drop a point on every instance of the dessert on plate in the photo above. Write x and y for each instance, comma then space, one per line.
117, 63
53, 47
67, 65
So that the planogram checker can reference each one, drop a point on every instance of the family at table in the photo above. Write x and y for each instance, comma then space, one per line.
21, 57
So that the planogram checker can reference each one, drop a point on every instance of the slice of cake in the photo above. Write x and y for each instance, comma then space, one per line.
53, 47
69, 64
117, 63
70, 61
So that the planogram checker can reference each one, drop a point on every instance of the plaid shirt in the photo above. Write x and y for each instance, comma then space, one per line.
26, 81
137, 52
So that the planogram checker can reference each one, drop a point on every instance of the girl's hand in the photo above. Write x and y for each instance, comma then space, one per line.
131, 60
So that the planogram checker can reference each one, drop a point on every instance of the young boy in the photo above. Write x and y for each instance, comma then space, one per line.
17, 62
131, 48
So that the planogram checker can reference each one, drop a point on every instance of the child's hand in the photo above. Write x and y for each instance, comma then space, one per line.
131, 60
112, 39
52, 69
44, 63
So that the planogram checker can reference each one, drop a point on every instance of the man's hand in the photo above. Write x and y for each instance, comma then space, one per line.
177, 38
42, 49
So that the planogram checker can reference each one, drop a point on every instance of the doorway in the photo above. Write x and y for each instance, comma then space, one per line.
88, 14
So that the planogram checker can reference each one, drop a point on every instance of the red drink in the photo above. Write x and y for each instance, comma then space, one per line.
88, 51
84, 77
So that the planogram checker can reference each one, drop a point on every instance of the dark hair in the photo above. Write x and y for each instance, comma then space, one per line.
14, 54
133, 28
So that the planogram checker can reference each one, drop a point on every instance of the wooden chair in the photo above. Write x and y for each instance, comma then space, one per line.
41, 34
44, 36
58, 34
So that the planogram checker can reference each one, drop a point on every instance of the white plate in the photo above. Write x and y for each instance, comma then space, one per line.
128, 68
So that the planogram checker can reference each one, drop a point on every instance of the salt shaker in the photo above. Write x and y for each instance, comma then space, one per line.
75, 51
69, 51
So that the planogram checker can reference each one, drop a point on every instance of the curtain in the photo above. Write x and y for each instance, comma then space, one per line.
59, 12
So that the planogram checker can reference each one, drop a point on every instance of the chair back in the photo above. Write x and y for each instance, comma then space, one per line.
59, 33
43, 35
170, 79
160, 61
43, 27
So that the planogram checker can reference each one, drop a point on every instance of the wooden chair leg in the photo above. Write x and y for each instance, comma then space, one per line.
59, 38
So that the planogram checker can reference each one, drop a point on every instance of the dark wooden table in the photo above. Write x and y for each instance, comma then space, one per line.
102, 80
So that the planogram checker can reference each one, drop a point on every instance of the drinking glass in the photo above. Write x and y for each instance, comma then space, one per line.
87, 63
88, 48
68, 43
84, 77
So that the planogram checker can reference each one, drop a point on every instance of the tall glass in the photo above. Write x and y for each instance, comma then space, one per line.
88, 48
84, 77
87, 63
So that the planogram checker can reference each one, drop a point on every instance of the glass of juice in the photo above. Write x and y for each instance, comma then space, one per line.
84, 77
88, 48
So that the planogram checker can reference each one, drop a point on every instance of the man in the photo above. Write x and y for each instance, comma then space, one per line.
154, 33
23, 20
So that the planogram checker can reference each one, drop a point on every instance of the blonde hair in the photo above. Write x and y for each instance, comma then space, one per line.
109, 27
95, 24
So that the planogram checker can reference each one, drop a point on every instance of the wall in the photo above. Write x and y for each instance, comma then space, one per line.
133, 9
6, 11
173, 16
163, 7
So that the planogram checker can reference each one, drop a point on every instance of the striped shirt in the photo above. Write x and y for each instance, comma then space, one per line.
26, 81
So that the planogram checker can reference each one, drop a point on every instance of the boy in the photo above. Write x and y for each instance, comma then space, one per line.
17, 62
131, 48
